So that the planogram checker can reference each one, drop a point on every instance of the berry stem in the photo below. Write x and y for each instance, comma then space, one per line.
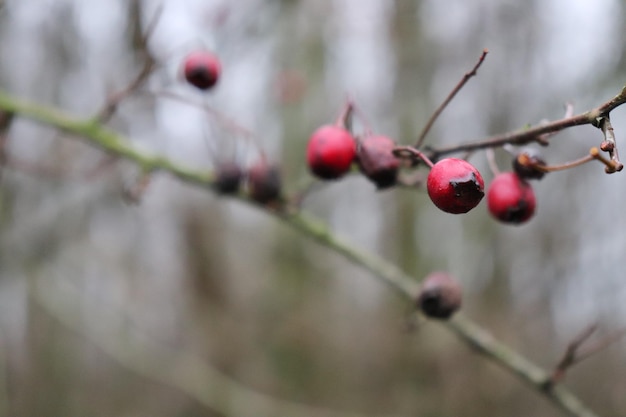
525, 161
410, 152
345, 118
611, 166
448, 99
491, 161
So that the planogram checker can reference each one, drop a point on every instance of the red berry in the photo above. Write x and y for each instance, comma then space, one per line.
510, 199
440, 296
264, 182
330, 152
377, 161
455, 186
202, 69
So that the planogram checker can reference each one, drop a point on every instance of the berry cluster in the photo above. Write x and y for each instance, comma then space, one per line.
202, 69
332, 150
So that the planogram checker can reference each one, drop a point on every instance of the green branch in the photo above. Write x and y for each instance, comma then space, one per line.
472, 334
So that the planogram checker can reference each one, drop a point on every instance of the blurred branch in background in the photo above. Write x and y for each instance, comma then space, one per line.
472, 334
181, 370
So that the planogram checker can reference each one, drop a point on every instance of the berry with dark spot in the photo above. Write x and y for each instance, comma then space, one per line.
525, 164
511, 199
202, 69
455, 186
264, 182
377, 162
330, 152
440, 296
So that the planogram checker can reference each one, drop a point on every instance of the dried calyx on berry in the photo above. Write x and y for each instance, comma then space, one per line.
228, 176
440, 296
264, 182
455, 186
526, 164
330, 152
511, 199
202, 69
376, 160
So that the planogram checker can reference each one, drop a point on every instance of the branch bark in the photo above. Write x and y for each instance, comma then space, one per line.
524, 136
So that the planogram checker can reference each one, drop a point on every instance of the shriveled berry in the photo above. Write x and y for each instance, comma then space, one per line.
377, 161
455, 186
330, 152
202, 69
228, 176
525, 164
511, 199
440, 296
264, 182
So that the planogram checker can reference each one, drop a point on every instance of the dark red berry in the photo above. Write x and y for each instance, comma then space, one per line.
264, 182
510, 199
525, 164
330, 152
440, 296
377, 161
228, 176
455, 186
202, 69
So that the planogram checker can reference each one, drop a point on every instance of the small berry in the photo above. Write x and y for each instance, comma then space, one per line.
377, 161
455, 186
525, 164
228, 177
264, 182
440, 296
511, 199
202, 69
330, 152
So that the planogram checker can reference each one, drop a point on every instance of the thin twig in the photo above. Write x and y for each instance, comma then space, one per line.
610, 144
574, 353
448, 99
524, 136
148, 67
611, 167
543, 139
570, 355
224, 120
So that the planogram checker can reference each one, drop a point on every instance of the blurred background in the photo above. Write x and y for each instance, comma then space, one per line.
193, 273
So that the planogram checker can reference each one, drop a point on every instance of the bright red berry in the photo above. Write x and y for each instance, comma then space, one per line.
330, 152
377, 161
455, 186
202, 69
511, 199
